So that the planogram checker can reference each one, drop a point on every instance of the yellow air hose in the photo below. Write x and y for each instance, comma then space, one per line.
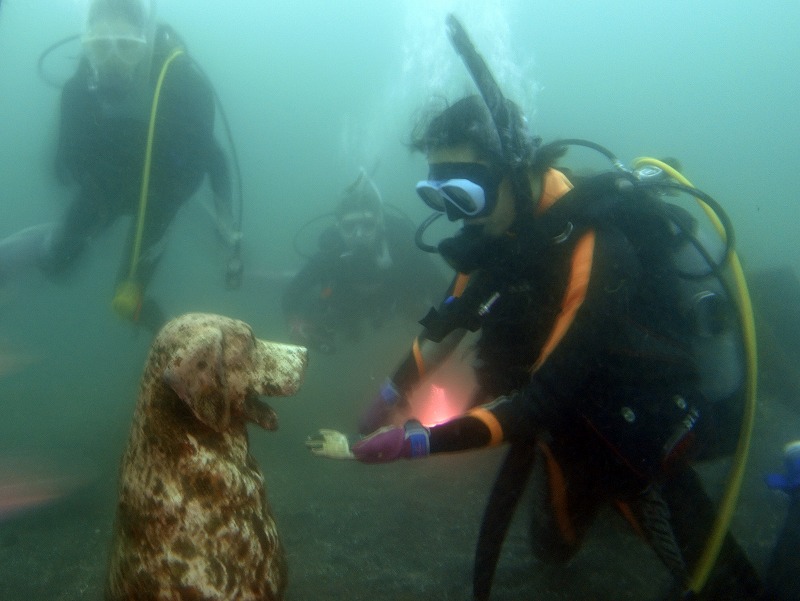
128, 296
733, 486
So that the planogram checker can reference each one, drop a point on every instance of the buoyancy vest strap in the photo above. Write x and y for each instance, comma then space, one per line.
557, 487
580, 272
554, 185
491, 422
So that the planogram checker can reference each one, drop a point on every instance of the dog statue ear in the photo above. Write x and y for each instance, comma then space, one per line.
195, 374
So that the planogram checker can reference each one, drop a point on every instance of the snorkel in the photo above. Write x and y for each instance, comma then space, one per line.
517, 149
468, 248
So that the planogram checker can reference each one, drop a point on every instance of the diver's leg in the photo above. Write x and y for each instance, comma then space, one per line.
22, 251
85, 217
692, 516
53, 247
565, 507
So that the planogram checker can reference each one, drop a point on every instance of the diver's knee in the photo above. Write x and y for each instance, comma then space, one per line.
23, 250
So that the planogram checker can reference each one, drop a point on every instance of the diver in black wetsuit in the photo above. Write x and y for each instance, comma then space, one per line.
366, 269
132, 71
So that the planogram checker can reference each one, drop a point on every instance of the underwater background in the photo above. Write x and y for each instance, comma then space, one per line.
314, 90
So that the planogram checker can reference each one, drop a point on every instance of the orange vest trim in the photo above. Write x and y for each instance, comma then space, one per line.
627, 513
573, 298
418, 358
554, 185
462, 279
490, 421
558, 495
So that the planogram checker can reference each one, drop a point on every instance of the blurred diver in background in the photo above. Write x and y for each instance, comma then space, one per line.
365, 269
137, 138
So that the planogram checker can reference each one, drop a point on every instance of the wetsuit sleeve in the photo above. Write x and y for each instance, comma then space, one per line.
425, 354
406, 376
555, 392
488, 425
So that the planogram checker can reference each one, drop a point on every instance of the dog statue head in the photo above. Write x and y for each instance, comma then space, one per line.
219, 369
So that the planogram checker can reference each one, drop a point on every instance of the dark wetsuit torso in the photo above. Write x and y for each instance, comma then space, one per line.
102, 149
607, 402
627, 344
337, 288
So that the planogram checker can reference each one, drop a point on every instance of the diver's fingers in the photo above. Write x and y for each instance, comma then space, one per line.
314, 443
332, 444
326, 433
323, 439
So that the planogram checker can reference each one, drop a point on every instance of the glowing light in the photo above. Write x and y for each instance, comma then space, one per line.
447, 394
436, 406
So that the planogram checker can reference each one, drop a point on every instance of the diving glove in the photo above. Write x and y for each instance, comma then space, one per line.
329, 443
790, 481
393, 442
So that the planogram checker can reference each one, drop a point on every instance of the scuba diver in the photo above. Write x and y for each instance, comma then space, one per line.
365, 269
611, 347
137, 138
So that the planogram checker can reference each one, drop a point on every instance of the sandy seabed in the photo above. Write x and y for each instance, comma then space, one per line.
391, 532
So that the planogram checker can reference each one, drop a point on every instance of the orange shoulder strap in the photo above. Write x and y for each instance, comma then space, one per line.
462, 279
554, 185
574, 296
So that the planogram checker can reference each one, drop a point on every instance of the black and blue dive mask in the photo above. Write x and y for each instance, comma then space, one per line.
461, 190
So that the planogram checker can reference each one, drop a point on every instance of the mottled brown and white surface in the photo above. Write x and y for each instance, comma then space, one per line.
193, 521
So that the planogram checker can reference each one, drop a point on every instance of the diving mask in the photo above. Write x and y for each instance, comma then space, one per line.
461, 190
359, 229
124, 49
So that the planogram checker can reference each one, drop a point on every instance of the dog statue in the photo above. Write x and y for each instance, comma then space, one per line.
193, 520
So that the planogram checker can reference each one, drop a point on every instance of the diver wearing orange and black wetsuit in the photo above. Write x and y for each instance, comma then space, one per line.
612, 398
588, 356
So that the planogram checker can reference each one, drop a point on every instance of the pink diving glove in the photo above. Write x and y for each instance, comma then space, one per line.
393, 442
